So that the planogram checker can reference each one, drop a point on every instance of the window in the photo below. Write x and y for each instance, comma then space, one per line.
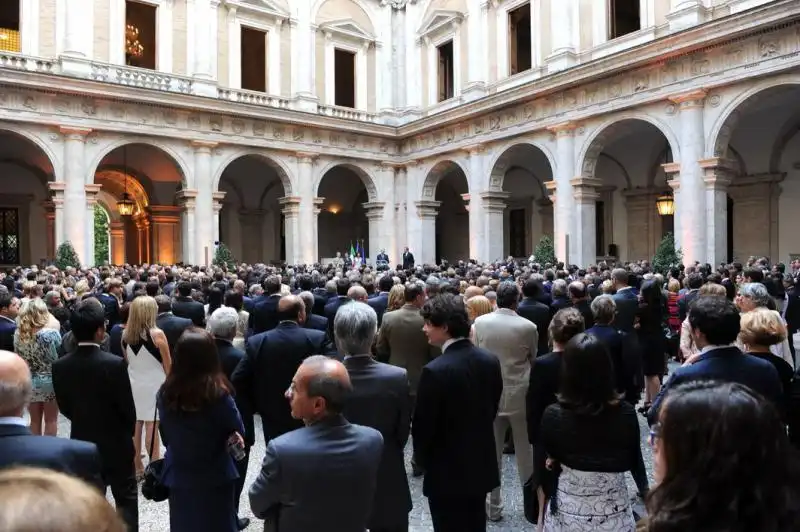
140, 35
624, 17
344, 68
9, 236
519, 39
446, 71
254, 59
9, 26
600, 225
518, 234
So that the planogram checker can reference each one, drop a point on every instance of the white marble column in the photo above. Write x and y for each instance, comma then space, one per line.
217, 198
672, 172
478, 32
74, 226
307, 218
30, 23
686, 13
586, 196
117, 243
414, 179
187, 200
397, 80
79, 16
375, 214
303, 39
57, 188
563, 174
291, 215
564, 35
426, 214
201, 68
274, 58
717, 176
401, 222
330, 69
204, 230
234, 45
493, 209
692, 205
388, 183
479, 238
91, 201
362, 76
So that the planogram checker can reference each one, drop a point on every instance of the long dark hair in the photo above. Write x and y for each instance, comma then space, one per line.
587, 375
215, 297
652, 306
196, 379
729, 464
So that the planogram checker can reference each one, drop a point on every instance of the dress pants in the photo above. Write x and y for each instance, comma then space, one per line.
241, 467
126, 498
458, 514
523, 451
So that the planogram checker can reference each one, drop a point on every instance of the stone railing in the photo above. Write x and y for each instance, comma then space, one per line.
140, 77
253, 98
347, 113
32, 64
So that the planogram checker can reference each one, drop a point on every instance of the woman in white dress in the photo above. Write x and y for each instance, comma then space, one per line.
147, 353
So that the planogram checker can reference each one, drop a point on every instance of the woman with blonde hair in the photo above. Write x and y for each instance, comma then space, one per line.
762, 328
147, 352
477, 306
38, 345
397, 297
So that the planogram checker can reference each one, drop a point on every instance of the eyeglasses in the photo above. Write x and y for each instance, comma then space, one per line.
655, 433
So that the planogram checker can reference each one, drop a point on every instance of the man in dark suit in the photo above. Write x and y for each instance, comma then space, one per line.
381, 399
94, 392
184, 306
693, 282
272, 358
264, 316
222, 325
323, 475
715, 324
534, 310
453, 428
580, 300
333, 304
111, 301
18, 447
319, 323
381, 300
626, 300
9, 308
172, 325
408, 259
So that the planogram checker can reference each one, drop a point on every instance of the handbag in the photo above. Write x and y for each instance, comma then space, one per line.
153, 489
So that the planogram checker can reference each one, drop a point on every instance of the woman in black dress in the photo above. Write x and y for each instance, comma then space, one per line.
650, 320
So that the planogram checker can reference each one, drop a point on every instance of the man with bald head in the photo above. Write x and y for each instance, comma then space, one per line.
19, 447
323, 475
358, 293
270, 361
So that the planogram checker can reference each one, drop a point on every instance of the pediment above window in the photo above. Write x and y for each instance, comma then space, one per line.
439, 22
347, 29
272, 8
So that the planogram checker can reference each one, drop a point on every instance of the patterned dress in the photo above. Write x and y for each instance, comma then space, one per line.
40, 352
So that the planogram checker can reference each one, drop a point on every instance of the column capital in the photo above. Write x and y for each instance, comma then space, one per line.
466, 198
674, 184
564, 129
304, 157
317, 202
291, 206
203, 145
92, 189
186, 198
551, 187
427, 210
717, 173
671, 169
586, 189
57, 188
694, 98
218, 196
74, 133
474, 149
374, 209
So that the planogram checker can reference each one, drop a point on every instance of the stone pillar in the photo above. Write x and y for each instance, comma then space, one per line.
217, 198
564, 35
204, 235
755, 216
49, 208
375, 213
387, 178
307, 219
717, 175
187, 199
165, 220
399, 60
586, 196
362, 76
91, 201
78, 16
291, 214
201, 69
673, 172
401, 218
564, 172
74, 191
692, 205
686, 13
318, 202
546, 215
303, 39
426, 213
644, 223
478, 237
57, 188
117, 243
493, 207
478, 31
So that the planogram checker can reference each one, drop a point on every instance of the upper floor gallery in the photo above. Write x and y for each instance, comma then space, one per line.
382, 61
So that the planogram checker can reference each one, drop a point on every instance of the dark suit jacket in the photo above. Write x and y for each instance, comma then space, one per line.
585, 309
408, 260
111, 305
94, 392
186, 307
264, 374
381, 399
725, 364
685, 301
793, 310
331, 307
559, 303
264, 316
624, 356
173, 327
318, 323
18, 447
7, 328
69, 345
114, 340
379, 304
539, 314
542, 388
319, 477
229, 358
321, 297
627, 307
457, 401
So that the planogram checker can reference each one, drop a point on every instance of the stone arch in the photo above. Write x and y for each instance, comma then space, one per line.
604, 133
363, 6
500, 162
363, 175
187, 180
435, 174
36, 140
721, 132
271, 161
108, 202
115, 184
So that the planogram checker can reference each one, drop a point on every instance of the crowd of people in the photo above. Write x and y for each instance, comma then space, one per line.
554, 363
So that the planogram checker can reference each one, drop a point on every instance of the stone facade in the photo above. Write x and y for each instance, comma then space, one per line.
579, 146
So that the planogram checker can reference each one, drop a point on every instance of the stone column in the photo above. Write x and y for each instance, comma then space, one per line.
401, 218
74, 191
692, 205
686, 13
187, 199
91, 201
494, 206
117, 243
291, 213
478, 237
201, 69
586, 196
307, 219
672, 172
375, 214
426, 213
388, 179
562, 201
318, 202
49, 208
303, 39
478, 31
546, 215
204, 236
217, 199
564, 35
78, 16
362, 78
57, 188
717, 175
398, 60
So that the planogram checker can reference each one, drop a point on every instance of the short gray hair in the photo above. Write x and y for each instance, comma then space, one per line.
308, 300
354, 328
559, 287
757, 292
604, 308
223, 323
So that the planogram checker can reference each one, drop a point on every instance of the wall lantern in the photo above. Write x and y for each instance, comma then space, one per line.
665, 205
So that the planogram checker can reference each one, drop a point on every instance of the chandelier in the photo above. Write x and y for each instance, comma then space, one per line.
133, 47
125, 205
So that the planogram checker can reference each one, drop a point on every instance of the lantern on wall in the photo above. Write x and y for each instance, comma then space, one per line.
665, 205
125, 206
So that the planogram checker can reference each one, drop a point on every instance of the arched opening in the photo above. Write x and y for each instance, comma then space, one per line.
150, 178
343, 224
626, 159
27, 219
251, 223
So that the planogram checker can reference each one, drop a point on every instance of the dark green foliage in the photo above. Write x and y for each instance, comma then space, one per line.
224, 257
545, 252
66, 256
666, 255
100, 236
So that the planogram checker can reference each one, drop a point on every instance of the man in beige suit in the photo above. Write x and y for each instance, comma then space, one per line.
514, 341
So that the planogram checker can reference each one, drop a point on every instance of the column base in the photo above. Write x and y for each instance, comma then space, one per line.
202, 86
561, 60
686, 16
75, 65
305, 102
473, 91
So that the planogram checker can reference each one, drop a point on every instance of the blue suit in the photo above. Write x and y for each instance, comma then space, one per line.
379, 304
7, 328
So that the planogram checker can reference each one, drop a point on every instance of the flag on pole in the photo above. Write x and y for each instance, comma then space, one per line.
361, 252
352, 249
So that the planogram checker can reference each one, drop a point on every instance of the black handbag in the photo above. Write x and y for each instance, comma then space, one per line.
530, 500
153, 489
